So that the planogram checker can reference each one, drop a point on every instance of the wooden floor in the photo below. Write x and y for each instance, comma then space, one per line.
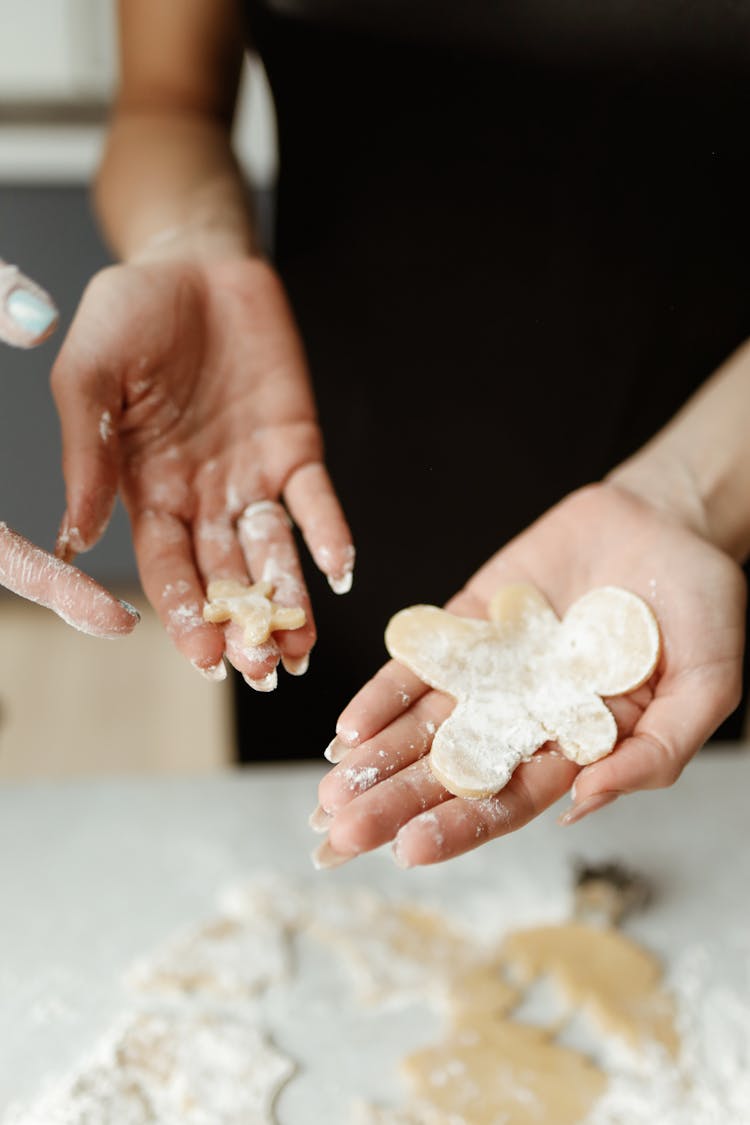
71, 704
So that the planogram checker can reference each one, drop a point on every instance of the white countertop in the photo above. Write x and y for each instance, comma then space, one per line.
96, 873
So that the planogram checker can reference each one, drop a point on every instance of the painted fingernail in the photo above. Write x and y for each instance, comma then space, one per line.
30, 312
324, 857
266, 683
591, 804
298, 666
130, 609
320, 820
335, 751
216, 673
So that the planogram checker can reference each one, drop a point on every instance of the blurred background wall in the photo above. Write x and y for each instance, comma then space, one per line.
57, 76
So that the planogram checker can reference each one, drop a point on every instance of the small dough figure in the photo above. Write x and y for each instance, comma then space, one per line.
251, 607
524, 678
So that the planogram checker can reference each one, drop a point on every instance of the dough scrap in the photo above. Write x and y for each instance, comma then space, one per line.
226, 958
490, 1066
398, 953
171, 1068
251, 607
525, 678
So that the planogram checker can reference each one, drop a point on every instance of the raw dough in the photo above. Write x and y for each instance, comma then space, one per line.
251, 607
489, 1067
602, 972
524, 678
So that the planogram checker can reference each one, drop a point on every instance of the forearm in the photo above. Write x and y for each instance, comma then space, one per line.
698, 466
169, 184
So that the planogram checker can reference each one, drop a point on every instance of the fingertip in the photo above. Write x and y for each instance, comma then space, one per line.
29, 315
263, 684
257, 663
214, 673
413, 847
201, 644
337, 564
347, 733
296, 666
582, 808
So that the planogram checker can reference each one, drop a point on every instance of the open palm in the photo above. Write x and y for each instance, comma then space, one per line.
384, 789
186, 386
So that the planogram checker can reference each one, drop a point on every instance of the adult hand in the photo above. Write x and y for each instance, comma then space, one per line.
383, 788
185, 383
27, 317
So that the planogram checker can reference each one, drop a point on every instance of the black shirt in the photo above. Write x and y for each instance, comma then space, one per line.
515, 236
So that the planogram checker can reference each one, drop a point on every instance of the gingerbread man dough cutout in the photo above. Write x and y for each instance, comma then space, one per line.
524, 678
251, 607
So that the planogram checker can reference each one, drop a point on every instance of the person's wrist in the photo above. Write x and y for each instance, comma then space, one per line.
667, 484
700, 495
202, 241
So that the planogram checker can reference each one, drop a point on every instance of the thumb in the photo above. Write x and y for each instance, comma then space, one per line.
674, 726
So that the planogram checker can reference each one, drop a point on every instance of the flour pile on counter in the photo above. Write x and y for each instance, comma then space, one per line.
174, 1069
194, 1046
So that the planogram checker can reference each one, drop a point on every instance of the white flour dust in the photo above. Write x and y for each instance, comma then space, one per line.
193, 1046
170, 1069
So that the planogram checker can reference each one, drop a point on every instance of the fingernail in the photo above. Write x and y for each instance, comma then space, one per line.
31, 313
298, 666
342, 584
324, 857
591, 804
320, 820
267, 683
216, 673
335, 751
130, 609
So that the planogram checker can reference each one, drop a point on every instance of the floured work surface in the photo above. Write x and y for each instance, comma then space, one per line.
311, 987
193, 1044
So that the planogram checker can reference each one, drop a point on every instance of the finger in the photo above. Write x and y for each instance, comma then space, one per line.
393, 688
27, 314
80, 601
270, 552
163, 550
674, 726
392, 750
314, 507
375, 816
219, 555
460, 825
257, 663
89, 404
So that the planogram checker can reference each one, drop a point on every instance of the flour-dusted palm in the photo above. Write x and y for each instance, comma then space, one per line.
186, 385
524, 678
383, 787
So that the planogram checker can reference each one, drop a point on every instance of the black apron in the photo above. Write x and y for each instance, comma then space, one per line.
515, 240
